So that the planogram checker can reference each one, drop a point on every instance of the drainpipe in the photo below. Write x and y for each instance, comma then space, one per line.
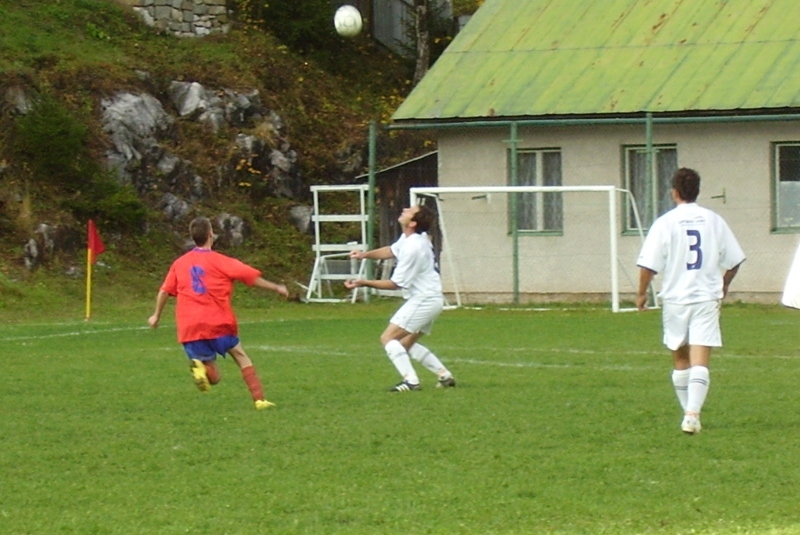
373, 135
513, 145
650, 154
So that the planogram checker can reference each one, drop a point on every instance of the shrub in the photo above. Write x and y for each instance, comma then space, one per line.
52, 144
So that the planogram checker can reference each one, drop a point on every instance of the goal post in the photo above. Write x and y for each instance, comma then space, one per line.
566, 245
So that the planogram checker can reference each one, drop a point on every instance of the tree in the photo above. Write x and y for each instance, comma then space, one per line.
422, 35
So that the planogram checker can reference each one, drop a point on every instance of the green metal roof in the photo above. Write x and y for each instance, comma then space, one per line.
539, 58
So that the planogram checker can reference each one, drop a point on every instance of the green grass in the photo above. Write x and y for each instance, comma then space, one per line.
564, 422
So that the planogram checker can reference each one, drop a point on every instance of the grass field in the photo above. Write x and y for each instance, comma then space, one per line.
564, 422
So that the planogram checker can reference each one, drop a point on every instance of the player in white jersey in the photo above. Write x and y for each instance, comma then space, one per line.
698, 256
416, 274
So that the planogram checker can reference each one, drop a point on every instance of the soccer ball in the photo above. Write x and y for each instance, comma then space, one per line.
347, 21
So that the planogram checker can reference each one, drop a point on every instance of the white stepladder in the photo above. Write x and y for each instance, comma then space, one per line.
332, 262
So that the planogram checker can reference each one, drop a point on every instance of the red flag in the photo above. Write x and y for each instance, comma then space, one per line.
95, 246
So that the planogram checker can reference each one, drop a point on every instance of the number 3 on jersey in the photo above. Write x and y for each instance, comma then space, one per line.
694, 248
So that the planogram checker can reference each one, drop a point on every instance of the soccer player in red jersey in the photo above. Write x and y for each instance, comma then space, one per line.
202, 281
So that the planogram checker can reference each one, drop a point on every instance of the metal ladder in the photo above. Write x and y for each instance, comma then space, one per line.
332, 262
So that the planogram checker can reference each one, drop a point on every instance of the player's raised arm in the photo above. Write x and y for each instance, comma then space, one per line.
382, 253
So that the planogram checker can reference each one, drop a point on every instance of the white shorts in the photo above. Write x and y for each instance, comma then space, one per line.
696, 324
418, 314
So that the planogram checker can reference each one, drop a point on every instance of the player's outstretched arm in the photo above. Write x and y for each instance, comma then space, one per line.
381, 253
382, 284
280, 289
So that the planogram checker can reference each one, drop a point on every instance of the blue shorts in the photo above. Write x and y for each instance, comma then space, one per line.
206, 350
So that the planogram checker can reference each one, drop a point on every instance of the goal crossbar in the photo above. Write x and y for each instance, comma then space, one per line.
613, 220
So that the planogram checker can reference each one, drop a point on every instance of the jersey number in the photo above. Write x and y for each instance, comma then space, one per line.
695, 248
197, 280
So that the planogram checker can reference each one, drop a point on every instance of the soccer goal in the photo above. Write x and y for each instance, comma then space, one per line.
536, 244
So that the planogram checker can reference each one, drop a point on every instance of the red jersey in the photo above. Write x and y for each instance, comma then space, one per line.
202, 281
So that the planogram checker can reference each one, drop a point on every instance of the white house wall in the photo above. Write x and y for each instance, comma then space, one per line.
734, 161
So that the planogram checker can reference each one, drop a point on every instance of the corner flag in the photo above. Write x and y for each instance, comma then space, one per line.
94, 248
95, 244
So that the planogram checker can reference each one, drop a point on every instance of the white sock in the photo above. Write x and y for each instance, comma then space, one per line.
399, 357
680, 380
699, 382
425, 356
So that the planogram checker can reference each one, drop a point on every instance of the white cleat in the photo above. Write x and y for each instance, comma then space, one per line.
691, 424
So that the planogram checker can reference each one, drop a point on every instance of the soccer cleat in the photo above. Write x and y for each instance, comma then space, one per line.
446, 382
405, 386
691, 424
262, 404
199, 376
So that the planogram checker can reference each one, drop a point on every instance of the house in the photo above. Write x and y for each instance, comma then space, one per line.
619, 93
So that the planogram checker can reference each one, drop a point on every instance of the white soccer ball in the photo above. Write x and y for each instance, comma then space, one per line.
347, 21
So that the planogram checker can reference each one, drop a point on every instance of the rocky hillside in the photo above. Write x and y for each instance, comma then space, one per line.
106, 118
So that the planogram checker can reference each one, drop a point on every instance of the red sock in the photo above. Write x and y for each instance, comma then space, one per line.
212, 372
252, 382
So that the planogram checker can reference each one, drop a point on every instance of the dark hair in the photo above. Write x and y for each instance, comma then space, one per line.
200, 230
424, 218
687, 183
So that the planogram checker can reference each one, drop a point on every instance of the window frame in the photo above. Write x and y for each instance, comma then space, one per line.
657, 200
777, 195
541, 203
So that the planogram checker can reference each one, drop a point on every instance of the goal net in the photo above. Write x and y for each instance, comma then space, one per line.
535, 244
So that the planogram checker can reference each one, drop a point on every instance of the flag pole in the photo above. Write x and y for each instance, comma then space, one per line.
94, 247
88, 282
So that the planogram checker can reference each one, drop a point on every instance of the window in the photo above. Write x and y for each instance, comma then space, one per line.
537, 212
651, 191
786, 211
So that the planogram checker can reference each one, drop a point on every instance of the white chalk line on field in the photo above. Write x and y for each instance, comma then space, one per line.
662, 356
306, 350
657, 353
68, 334
638, 365
325, 350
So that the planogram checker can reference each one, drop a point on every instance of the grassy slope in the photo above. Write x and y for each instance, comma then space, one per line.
85, 50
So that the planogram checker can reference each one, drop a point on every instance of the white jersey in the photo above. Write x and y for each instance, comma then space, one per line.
691, 246
791, 288
416, 271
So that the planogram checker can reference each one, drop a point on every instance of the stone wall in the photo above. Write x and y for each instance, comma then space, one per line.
184, 18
